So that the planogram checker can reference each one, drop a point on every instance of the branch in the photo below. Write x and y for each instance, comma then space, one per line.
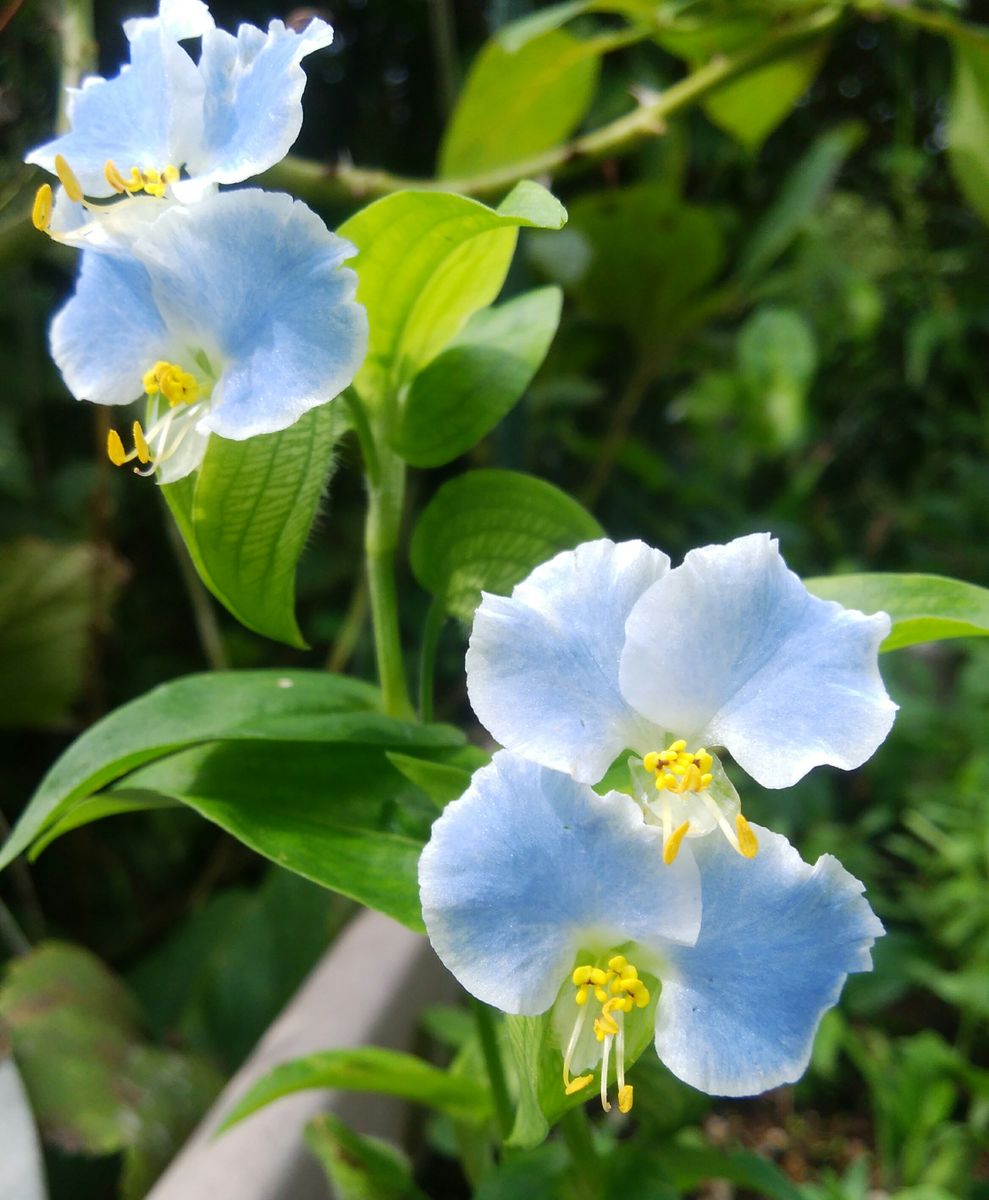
319, 182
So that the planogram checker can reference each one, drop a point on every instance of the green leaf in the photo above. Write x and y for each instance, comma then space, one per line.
186, 712
924, 608
246, 513
968, 121
95, 1086
95, 808
441, 781
486, 530
426, 261
637, 257
777, 360
322, 809
467, 389
360, 1167
803, 190
516, 103
52, 599
689, 1166
369, 1069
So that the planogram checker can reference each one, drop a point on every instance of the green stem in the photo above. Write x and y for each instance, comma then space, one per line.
77, 50
934, 22
444, 36
386, 495
11, 933
320, 182
579, 1137
487, 1032
203, 614
435, 620
350, 629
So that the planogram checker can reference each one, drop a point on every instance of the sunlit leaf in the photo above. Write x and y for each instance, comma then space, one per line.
968, 121
360, 1167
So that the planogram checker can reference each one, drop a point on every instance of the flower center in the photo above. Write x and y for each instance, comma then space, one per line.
182, 390
617, 989
694, 796
153, 182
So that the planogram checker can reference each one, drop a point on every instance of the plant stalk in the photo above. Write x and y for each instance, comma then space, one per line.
487, 1032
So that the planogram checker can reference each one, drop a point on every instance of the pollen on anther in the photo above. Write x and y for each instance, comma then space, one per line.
748, 843
41, 212
67, 178
115, 449
140, 444
671, 847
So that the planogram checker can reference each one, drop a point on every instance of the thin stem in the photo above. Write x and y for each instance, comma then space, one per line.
923, 18
487, 1032
27, 895
435, 620
203, 613
624, 414
349, 632
579, 1137
320, 182
444, 36
11, 933
384, 512
77, 51
365, 435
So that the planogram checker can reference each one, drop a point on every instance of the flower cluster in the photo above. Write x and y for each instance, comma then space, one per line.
229, 312
658, 902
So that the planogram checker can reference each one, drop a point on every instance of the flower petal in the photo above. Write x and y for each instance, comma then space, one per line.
730, 649
109, 332
254, 279
542, 666
148, 116
253, 104
528, 867
739, 1010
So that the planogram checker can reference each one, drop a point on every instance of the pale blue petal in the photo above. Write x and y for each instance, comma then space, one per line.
109, 332
529, 866
253, 105
542, 667
730, 649
254, 279
738, 1011
176, 19
148, 116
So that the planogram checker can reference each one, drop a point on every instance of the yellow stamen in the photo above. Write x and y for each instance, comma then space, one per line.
67, 178
671, 847
577, 1084
140, 445
115, 449
625, 1098
41, 213
679, 770
171, 173
748, 843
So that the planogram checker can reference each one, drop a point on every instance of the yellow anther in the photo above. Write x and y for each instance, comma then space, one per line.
176, 385
679, 770
671, 847
748, 843
170, 174
581, 997
625, 1098
704, 760
140, 445
706, 780
113, 176
581, 975
115, 449
578, 1084
663, 781
651, 761
618, 963
598, 976
67, 178
678, 745
41, 213
600, 995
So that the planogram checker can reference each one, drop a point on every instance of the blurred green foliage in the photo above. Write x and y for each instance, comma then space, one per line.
775, 316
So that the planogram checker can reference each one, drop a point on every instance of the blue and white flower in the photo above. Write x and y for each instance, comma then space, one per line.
167, 126
233, 316
538, 893
605, 648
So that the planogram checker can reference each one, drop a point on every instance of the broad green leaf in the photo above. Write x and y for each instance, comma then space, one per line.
321, 809
186, 712
95, 808
689, 1166
777, 360
514, 35
486, 530
360, 1167
924, 608
52, 599
750, 107
246, 513
637, 257
369, 1069
22, 1169
94, 1084
803, 190
968, 121
441, 781
526, 1036
426, 261
467, 389
515, 103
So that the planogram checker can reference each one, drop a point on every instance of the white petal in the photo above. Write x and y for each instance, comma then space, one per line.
738, 1011
542, 666
730, 649
528, 867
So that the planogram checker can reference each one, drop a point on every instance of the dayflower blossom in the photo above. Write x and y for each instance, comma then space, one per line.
233, 316
605, 649
538, 893
167, 126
